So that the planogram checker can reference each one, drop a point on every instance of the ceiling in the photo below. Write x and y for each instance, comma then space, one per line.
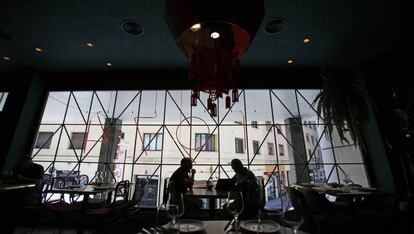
341, 33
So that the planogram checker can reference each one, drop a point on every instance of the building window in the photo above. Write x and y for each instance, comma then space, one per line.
279, 128
77, 140
44, 139
254, 124
239, 145
309, 153
281, 150
313, 139
268, 125
155, 144
307, 137
256, 147
271, 148
205, 142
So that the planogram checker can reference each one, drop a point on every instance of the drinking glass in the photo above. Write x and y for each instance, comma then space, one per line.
178, 200
98, 179
235, 205
173, 212
295, 223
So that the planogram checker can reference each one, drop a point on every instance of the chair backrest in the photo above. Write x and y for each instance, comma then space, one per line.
165, 190
317, 202
68, 176
45, 177
139, 191
83, 179
122, 190
50, 183
298, 200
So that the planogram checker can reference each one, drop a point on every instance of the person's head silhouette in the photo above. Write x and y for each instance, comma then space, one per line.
237, 165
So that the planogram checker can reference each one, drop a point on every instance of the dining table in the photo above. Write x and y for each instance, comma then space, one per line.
351, 193
86, 191
219, 227
211, 194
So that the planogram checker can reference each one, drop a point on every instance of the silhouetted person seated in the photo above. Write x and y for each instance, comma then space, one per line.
181, 181
245, 181
26, 171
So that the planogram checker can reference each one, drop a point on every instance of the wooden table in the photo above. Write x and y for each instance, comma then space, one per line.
217, 227
86, 191
353, 195
7, 187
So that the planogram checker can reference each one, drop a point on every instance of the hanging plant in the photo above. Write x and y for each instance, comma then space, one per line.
343, 103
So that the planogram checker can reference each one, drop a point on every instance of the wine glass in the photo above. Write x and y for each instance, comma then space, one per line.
235, 205
173, 212
295, 222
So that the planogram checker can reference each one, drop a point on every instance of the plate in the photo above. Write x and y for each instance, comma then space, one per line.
265, 226
189, 226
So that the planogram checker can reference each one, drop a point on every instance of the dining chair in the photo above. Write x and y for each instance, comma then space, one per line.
121, 191
49, 184
81, 180
327, 216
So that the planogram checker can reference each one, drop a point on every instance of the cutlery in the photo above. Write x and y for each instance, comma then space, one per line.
145, 231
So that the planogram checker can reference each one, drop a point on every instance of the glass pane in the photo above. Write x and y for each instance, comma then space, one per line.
3, 98
258, 107
354, 174
284, 105
78, 108
55, 109
127, 106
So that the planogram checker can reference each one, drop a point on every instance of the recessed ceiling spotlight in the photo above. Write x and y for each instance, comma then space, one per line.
290, 61
38, 50
306, 40
275, 25
215, 35
89, 44
132, 27
6, 58
195, 27
109, 64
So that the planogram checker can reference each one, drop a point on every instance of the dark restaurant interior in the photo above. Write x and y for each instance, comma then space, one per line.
192, 116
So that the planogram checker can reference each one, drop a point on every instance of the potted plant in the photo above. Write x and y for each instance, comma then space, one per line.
343, 104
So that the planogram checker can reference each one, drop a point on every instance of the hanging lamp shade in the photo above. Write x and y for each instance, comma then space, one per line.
213, 34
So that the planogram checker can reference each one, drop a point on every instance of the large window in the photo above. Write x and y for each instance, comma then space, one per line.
205, 142
143, 134
44, 139
153, 141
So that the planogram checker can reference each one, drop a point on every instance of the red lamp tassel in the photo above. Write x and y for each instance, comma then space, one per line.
209, 104
235, 95
214, 110
227, 102
193, 99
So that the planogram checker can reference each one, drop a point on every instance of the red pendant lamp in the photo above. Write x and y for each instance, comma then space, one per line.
213, 34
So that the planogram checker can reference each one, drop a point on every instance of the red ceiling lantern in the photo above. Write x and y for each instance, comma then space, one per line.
214, 34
